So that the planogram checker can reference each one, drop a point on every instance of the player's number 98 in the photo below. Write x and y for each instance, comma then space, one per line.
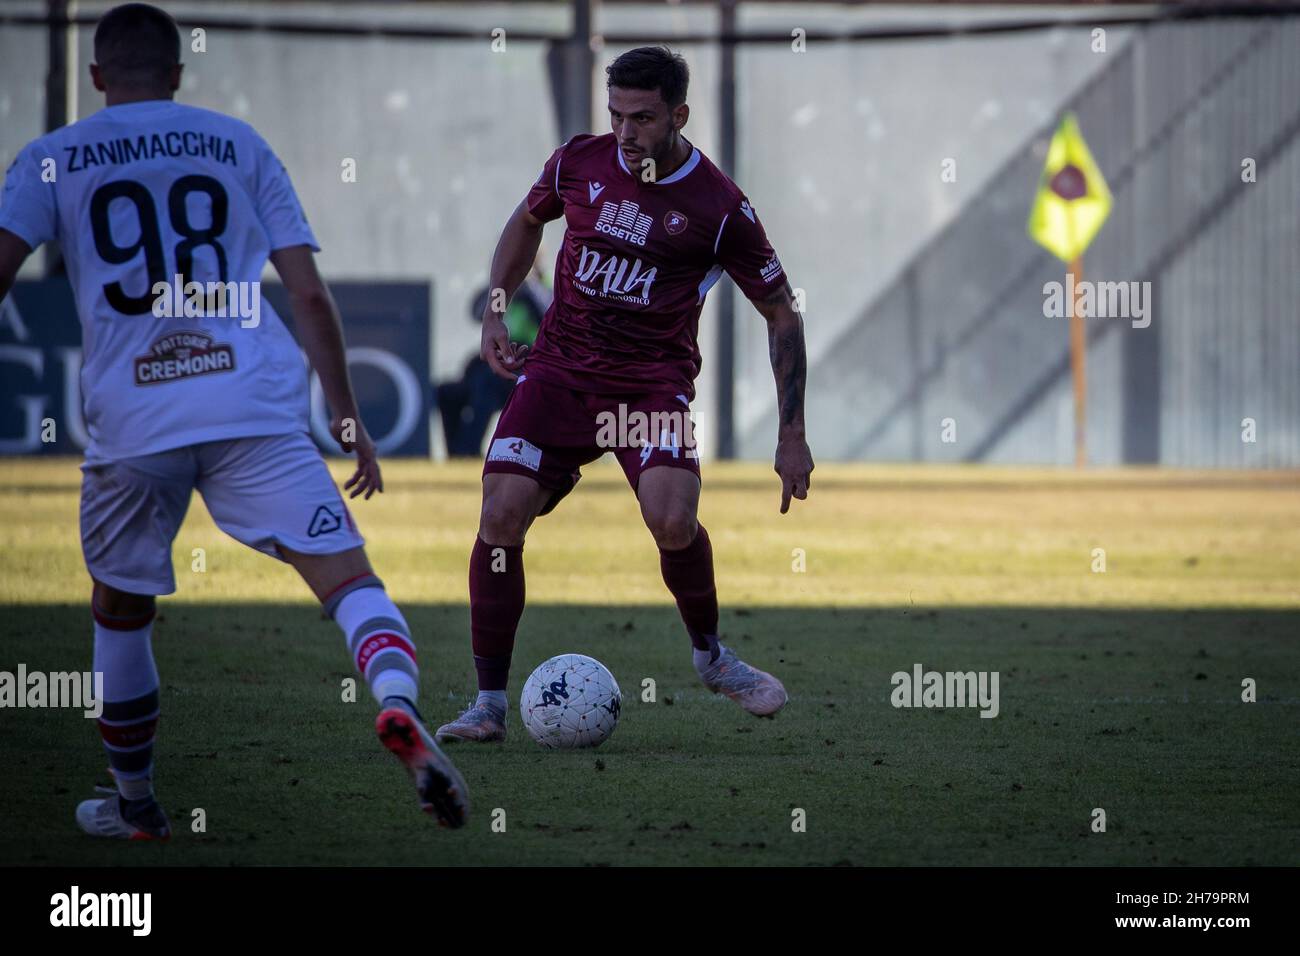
150, 238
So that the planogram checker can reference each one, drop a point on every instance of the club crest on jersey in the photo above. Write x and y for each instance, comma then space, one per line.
675, 223
180, 355
624, 220
613, 277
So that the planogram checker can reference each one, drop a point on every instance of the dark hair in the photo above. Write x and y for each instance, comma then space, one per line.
651, 68
137, 44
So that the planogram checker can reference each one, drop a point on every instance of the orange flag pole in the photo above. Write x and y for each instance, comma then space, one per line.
1078, 367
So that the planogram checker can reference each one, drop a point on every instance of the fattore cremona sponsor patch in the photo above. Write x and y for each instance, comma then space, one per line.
182, 355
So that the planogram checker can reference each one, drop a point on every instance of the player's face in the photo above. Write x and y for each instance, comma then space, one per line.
645, 125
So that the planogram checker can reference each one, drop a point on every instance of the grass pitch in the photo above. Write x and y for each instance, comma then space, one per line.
1119, 690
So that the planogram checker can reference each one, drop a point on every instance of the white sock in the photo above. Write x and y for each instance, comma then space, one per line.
704, 659
125, 658
380, 642
134, 788
496, 699
394, 683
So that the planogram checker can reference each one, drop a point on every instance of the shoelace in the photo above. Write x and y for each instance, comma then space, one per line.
736, 675
106, 819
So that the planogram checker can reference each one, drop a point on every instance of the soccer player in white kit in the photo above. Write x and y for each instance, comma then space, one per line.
140, 193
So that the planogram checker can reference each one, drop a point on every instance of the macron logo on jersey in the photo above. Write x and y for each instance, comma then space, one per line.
624, 220
748, 210
594, 190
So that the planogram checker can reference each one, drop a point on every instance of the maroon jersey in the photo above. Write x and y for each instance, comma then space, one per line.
637, 260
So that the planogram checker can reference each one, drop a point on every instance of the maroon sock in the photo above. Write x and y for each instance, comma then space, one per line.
496, 601
689, 576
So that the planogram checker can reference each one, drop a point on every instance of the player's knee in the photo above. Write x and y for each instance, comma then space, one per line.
673, 528
115, 603
504, 521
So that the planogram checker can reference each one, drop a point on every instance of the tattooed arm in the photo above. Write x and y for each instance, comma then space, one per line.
790, 367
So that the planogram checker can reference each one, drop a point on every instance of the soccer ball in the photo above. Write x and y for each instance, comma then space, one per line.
570, 701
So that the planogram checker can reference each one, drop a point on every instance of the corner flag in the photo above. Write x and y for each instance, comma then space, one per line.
1073, 199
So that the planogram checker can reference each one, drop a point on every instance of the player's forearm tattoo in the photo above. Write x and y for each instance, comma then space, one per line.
778, 296
789, 362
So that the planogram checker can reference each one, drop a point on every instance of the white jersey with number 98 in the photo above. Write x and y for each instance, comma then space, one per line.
152, 194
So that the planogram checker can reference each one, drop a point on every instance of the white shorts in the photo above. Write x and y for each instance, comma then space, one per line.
267, 492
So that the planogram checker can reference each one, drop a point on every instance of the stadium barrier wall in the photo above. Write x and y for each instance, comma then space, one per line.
386, 324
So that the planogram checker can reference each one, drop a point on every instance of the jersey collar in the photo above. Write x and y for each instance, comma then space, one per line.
681, 173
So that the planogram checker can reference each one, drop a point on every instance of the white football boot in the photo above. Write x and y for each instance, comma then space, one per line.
104, 818
757, 691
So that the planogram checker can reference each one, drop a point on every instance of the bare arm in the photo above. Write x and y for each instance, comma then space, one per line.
790, 368
321, 332
13, 252
511, 262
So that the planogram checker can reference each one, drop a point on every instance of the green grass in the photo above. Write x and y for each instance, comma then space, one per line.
1119, 690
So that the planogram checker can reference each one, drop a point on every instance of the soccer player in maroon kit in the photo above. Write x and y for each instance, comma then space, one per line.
651, 225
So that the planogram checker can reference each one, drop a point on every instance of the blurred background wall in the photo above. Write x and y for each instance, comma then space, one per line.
924, 296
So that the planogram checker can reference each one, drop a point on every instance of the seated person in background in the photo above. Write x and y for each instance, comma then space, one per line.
468, 405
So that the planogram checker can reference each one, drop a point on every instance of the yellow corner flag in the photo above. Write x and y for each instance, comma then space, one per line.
1073, 199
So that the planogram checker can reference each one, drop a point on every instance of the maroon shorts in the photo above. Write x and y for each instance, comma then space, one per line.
548, 432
